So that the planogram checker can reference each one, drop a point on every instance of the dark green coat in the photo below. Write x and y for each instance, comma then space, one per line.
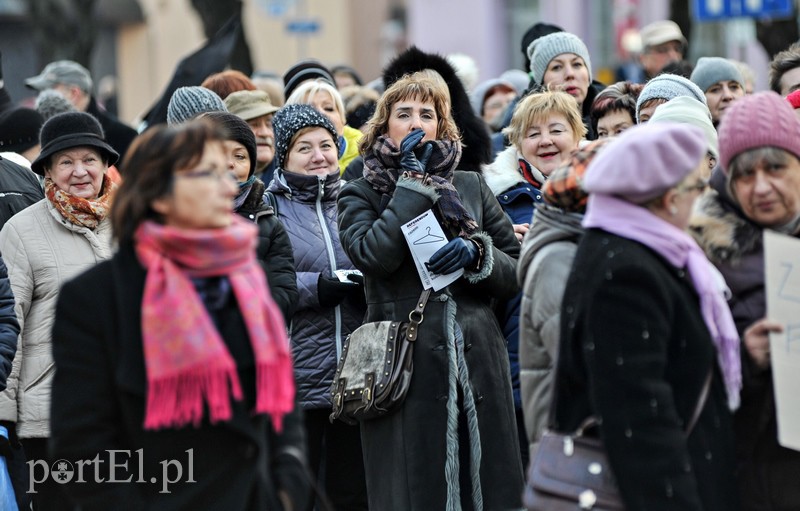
406, 452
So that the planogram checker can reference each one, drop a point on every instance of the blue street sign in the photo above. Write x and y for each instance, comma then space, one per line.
715, 10
301, 26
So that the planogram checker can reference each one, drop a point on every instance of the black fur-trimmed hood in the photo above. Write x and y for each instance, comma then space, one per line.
474, 132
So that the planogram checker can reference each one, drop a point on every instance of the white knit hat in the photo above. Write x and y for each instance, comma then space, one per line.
687, 110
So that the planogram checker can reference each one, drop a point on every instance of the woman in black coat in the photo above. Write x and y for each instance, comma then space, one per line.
452, 444
756, 188
644, 324
274, 247
174, 375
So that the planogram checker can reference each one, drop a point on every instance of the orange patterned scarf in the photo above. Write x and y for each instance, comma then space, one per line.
83, 212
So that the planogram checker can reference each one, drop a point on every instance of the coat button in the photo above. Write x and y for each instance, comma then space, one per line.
468, 347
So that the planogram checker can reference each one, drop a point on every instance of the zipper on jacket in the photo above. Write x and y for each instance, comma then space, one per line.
337, 311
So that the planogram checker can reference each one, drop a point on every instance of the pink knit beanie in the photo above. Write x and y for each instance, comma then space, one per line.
763, 119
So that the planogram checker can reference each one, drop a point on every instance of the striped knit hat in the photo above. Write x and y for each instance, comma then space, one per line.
187, 102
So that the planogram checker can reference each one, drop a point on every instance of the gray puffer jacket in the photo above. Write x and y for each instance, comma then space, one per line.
306, 205
544, 265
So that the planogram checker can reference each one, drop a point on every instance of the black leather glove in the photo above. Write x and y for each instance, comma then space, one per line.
458, 253
408, 159
331, 291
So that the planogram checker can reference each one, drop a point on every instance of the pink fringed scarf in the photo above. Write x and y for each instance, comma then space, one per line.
186, 359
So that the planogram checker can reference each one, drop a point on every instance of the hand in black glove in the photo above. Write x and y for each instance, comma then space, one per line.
331, 291
458, 253
356, 277
408, 159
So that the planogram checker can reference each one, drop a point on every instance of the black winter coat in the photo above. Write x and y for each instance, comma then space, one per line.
406, 453
19, 188
635, 352
274, 250
98, 402
117, 134
9, 326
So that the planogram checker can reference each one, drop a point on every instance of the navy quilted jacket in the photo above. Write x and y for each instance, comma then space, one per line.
307, 208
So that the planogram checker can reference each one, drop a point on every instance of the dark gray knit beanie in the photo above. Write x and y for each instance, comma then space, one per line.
291, 119
544, 49
187, 102
235, 128
711, 70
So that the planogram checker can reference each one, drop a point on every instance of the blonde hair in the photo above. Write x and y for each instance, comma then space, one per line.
537, 108
306, 91
426, 86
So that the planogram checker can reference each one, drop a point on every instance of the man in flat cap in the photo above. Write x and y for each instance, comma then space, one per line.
662, 43
74, 82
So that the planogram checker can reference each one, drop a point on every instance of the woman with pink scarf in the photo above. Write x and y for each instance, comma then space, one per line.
645, 327
178, 385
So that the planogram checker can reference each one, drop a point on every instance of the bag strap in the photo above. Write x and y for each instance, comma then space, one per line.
269, 199
415, 317
701, 402
591, 421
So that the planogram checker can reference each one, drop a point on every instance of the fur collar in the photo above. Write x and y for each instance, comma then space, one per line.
503, 173
723, 234
474, 132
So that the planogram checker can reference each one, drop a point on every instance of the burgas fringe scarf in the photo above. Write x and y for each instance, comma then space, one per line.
186, 359
382, 169
82, 212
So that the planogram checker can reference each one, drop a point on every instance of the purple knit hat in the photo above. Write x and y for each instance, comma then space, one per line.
646, 161
763, 119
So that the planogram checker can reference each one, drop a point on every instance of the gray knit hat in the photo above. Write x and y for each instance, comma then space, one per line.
668, 86
544, 49
710, 70
187, 102
292, 118
50, 102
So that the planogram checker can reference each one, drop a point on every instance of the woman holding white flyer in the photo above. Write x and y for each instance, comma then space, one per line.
452, 444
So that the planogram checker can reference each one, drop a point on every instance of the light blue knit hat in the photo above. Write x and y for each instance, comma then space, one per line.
544, 49
711, 70
668, 86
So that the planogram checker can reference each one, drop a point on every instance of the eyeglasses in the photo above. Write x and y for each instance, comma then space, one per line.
206, 174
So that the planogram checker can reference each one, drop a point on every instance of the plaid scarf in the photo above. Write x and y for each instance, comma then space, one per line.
187, 362
78, 211
564, 187
382, 169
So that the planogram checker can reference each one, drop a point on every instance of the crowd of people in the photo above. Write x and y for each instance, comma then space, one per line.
174, 301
